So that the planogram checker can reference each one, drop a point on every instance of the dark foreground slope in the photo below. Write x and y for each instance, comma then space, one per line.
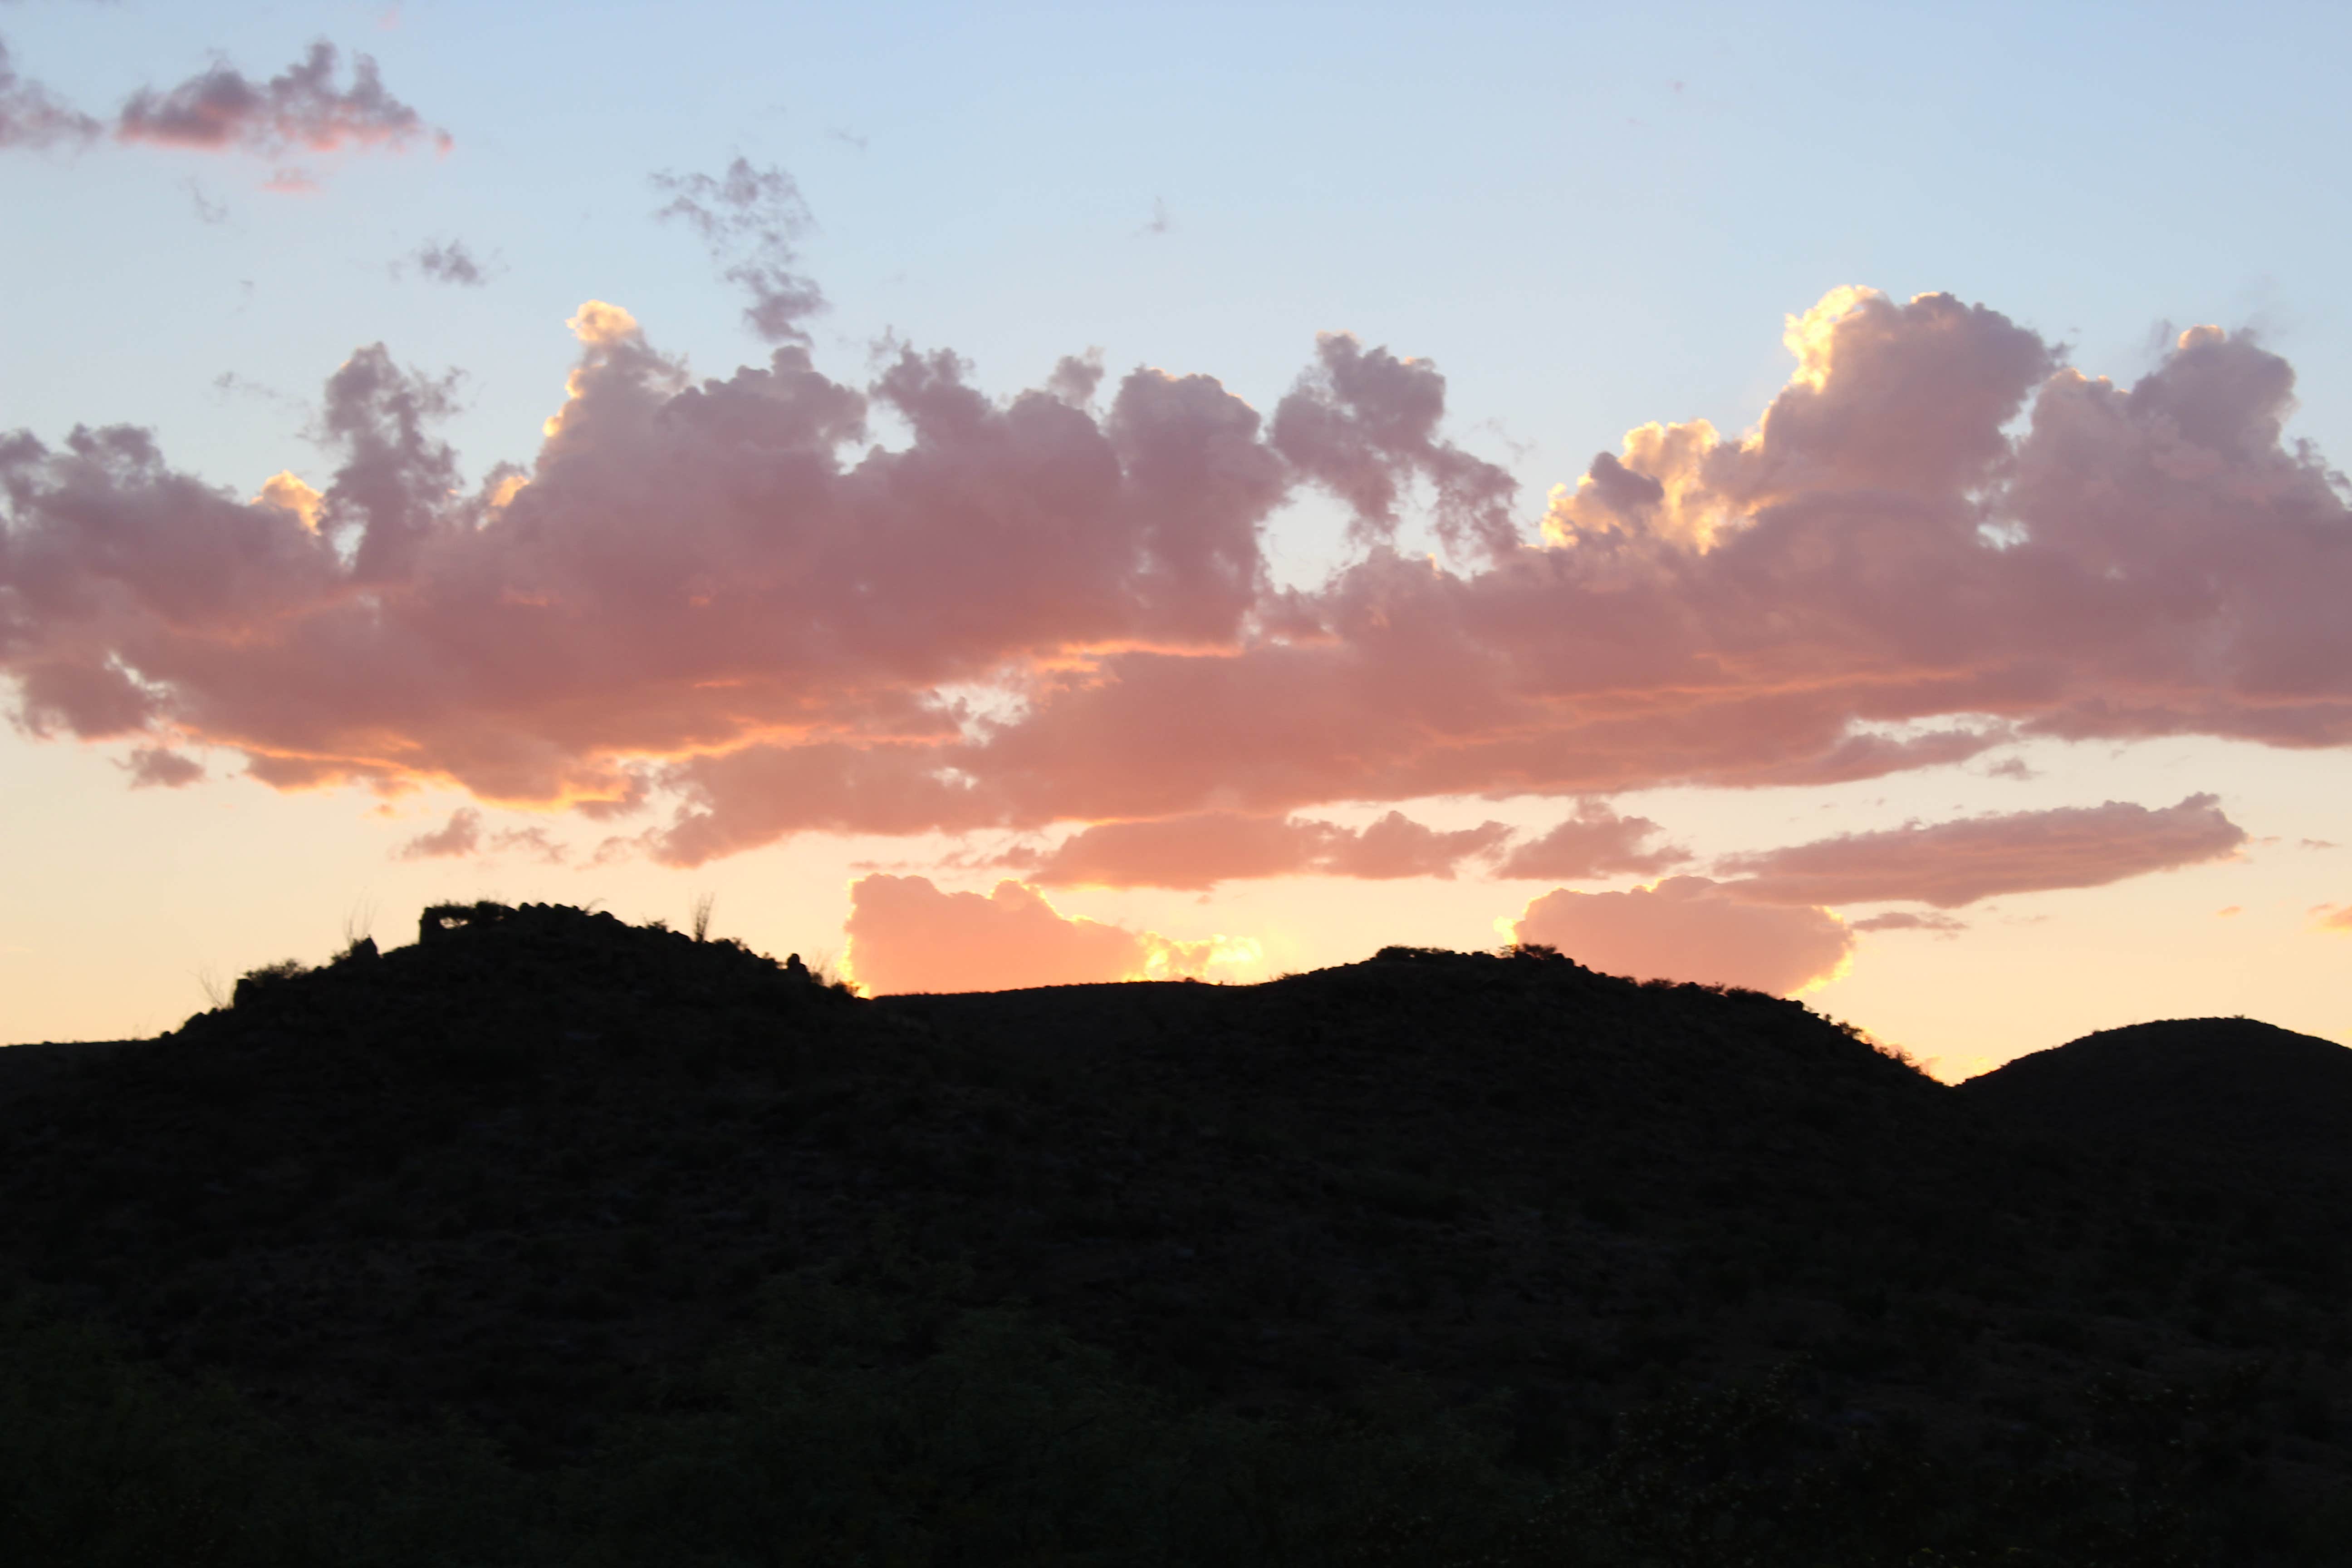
567, 1241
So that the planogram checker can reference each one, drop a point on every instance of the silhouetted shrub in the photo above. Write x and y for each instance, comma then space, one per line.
254, 982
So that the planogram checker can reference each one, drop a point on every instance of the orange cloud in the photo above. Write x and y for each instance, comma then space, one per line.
905, 935
1689, 928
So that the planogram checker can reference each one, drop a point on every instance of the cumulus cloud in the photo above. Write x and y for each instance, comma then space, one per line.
2333, 917
751, 220
1690, 928
303, 108
721, 598
905, 935
1208, 848
1955, 863
1595, 842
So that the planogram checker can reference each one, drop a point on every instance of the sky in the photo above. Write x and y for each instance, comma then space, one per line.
1840, 501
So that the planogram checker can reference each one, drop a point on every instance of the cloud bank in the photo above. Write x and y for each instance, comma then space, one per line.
719, 600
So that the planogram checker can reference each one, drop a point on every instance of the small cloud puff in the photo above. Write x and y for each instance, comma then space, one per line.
159, 767
448, 262
462, 835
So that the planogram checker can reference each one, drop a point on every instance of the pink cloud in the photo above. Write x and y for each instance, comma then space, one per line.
303, 107
905, 935
2333, 917
460, 835
1689, 928
720, 597
1954, 863
1595, 842
30, 117
1203, 849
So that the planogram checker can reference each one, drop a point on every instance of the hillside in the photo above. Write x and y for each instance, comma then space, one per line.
2210, 1083
1678, 1273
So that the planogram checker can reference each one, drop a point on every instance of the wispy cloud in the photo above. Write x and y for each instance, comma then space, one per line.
751, 220
1953, 863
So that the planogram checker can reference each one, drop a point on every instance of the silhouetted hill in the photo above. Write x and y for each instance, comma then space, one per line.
1436, 1255
2260, 1090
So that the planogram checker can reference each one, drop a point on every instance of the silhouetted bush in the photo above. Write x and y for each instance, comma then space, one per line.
254, 982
